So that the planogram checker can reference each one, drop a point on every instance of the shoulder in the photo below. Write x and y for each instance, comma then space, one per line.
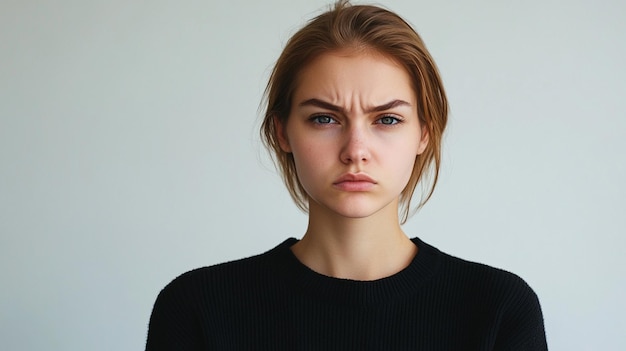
227, 276
495, 296
189, 303
198, 296
478, 278
483, 274
483, 287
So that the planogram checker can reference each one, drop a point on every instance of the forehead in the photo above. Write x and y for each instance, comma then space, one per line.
340, 75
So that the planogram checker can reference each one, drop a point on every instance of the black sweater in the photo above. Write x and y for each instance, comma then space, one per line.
274, 302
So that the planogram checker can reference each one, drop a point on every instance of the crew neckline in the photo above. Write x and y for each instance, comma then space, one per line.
358, 292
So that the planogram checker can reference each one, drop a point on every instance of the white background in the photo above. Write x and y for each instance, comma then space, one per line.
129, 154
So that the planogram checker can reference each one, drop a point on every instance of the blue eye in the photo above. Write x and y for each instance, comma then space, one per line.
388, 120
323, 119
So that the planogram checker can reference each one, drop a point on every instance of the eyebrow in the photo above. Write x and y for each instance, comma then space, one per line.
329, 106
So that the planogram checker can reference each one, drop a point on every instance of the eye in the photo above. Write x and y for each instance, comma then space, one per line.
388, 120
323, 119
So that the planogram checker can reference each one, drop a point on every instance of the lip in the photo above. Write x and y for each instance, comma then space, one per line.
354, 182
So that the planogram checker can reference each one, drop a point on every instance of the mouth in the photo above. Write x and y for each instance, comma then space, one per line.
355, 182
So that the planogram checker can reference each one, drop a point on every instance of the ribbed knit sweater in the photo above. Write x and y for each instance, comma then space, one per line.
274, 302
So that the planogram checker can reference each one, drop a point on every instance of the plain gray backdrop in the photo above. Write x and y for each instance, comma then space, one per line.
129, 154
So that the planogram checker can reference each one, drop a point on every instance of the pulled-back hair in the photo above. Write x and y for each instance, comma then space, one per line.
358, 27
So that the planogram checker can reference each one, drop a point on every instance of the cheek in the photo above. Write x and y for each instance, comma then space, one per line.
308, 170
401, 158
310, 159
311, 150
405, 164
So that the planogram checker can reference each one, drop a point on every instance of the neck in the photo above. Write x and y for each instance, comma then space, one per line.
367, 248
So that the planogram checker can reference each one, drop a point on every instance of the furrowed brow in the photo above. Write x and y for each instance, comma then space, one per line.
388, 106
322, 104
331, 107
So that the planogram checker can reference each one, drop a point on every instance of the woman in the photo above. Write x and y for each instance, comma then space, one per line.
355, 117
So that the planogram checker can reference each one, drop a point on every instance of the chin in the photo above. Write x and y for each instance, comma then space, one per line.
355, 206
355, 212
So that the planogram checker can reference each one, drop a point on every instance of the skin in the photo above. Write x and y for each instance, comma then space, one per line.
354, 134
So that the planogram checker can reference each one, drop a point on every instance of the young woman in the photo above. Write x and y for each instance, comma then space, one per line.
355, 116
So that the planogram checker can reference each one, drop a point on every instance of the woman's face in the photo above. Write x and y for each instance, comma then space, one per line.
354, 133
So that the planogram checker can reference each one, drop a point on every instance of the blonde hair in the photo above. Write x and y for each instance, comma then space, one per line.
348, 26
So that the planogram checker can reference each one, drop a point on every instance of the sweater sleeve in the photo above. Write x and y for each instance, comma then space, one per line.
173, 324
522, 327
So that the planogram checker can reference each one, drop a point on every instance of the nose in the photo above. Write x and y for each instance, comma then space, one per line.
355, 148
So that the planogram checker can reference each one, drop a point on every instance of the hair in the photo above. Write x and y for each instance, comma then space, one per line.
359, 27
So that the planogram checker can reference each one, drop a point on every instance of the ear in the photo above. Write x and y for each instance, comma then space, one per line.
281, 134
423, 141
